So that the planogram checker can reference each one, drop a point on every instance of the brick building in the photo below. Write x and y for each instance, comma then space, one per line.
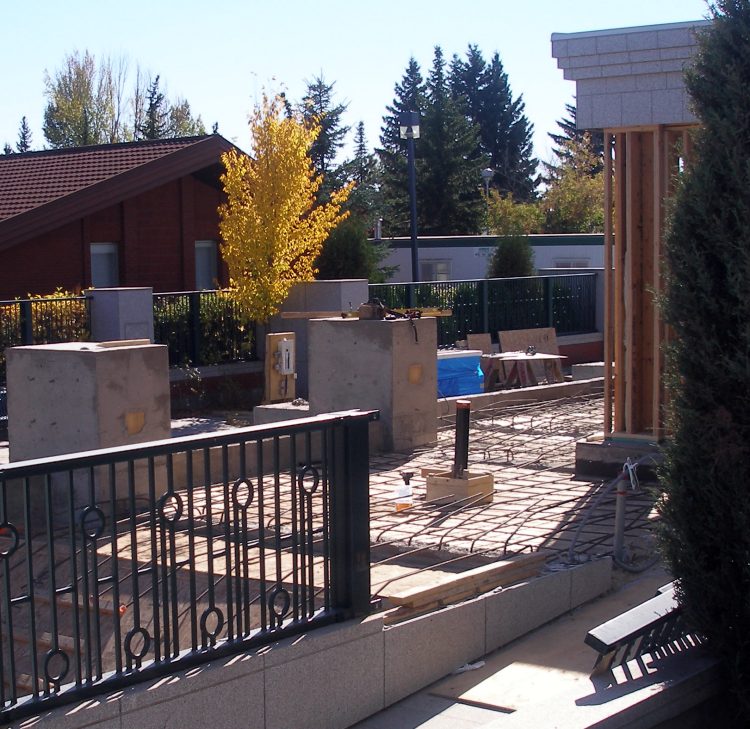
134, 214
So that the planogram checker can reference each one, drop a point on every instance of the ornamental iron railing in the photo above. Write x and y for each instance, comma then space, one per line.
202, 328
565, 302
124, 564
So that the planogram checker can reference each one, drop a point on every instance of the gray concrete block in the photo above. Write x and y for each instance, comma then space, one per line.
516, 610
651, 54
671, 37
589, 86
650, 82
611, 43
576, 74
224, 705
619, 84
619, 69
585, 113
422, 650
330, 689
674, 79
680, 52
321, 640
669, 106
606, 110
636, 108
640, 40
581, 46
559, 47
589, 580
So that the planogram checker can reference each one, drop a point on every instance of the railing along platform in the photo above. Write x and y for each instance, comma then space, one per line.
124, 564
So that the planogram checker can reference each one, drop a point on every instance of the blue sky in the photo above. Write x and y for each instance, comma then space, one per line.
220, 55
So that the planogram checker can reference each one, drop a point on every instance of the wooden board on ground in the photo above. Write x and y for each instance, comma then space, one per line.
445, 589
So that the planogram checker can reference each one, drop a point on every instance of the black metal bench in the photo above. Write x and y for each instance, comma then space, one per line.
653, 624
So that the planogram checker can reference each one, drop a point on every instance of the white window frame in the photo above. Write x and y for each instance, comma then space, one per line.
105, 273
212, 275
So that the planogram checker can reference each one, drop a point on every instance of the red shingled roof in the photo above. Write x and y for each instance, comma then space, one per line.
41, 190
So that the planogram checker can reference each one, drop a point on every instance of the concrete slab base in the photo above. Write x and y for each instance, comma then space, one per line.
587, 370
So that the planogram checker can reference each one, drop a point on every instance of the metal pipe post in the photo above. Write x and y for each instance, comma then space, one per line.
461, 456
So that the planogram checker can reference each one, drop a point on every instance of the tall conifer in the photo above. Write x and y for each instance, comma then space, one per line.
706, 506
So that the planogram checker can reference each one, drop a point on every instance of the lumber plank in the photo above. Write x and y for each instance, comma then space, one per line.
471, 581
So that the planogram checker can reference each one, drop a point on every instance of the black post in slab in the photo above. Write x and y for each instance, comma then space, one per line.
461, 456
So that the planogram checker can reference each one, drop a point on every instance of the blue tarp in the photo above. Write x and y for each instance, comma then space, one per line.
459, 376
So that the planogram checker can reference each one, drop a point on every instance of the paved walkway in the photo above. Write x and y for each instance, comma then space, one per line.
516, 685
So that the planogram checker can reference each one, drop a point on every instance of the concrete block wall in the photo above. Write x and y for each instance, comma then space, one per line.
629, 76
336, 676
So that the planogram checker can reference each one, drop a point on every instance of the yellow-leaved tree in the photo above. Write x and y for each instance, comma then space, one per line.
271, 228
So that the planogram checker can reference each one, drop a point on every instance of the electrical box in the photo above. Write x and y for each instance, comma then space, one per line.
286, 357
280, 368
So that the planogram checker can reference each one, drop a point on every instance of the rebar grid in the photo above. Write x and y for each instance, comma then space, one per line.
529, 447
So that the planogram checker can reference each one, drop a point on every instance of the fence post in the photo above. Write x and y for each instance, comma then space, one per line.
350, 515
485, 294
194, 299
411, 301
549, 303
27, 323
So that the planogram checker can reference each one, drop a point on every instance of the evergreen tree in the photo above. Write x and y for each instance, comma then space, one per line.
572, 138
24, 137
364, 200
409, 96
7, 149
505, 133
318, 108
449, 188
155, 123
705, 506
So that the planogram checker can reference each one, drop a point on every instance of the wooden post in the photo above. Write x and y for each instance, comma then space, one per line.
609, 149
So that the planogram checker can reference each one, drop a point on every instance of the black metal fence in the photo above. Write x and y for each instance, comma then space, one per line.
42, 321
566, 302
202, 328
125, 564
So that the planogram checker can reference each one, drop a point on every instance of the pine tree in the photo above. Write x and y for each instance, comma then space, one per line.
505, 134
705, 507
24, 136
155, 124
409, 96
318, 108
570, 139
449, 188
364, 200
7, 149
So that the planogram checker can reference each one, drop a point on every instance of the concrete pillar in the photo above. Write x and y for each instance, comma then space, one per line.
122, 313
316, 296
383, 365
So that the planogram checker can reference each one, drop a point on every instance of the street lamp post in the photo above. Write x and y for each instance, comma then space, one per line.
487, 174
409, 130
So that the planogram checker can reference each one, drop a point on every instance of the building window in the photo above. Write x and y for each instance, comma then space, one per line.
434, 270
206, 266
105, 268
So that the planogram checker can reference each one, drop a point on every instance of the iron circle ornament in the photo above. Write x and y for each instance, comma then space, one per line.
242, 485
92, 528
132, 634
279, 602
212, 611
170, 508
8, 536
303, 476
56, 678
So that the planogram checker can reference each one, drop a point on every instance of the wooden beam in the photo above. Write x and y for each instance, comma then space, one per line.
620, 230
609, 235
661, 192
